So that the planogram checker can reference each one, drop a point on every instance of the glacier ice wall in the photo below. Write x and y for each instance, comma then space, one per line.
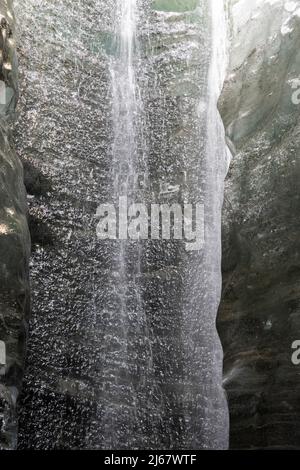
123, 349
259, 315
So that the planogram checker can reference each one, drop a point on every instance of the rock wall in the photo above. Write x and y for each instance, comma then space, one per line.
14, 240
259, 314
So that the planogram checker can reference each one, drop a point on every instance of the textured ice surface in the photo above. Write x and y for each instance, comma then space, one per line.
259, 317
123, 349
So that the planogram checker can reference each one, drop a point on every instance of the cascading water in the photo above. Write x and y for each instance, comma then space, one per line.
124, 91
131, 357
122, 416
124, 153
124, 113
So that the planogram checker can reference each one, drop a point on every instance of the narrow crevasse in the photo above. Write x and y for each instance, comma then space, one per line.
123, 348
14, 241
259, 314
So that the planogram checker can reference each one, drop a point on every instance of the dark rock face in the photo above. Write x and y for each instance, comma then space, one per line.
259, 315
14, 241
120, 357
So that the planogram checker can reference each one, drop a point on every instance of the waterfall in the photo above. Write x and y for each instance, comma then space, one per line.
137, 362
124, 90
130, 366
217, 163
125, 108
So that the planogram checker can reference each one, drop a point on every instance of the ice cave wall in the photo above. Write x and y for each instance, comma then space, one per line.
64, 126
259, 314
14, 240
81, 390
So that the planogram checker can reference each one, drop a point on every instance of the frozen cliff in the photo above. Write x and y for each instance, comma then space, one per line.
118, 98
259, 315
123, 349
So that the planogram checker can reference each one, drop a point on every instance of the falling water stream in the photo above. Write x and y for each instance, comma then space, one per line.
124, 114
124, 90
127, 130
124, 352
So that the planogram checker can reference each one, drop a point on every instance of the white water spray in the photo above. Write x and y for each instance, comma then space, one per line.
125, 90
